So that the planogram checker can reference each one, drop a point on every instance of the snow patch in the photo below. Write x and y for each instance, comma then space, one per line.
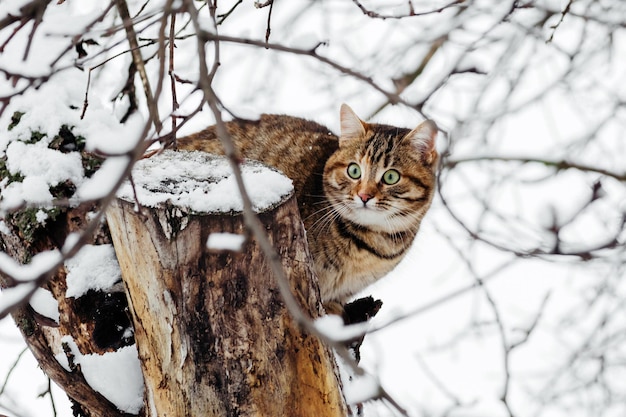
104, 179
225, 241
71, 240
41, 217
45, 304
332, 327
40, 161
40, 264
115, 375
4, 229
10, 297
45, 110
37, 160
41, 168
33, 190
61, 358
361, 389
204, 183
111, 138
94, 267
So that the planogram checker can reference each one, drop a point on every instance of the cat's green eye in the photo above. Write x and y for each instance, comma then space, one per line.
391, 176
354, 171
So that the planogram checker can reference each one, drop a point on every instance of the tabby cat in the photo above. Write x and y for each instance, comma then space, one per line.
362, 195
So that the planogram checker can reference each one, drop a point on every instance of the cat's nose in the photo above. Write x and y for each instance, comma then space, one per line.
365, 197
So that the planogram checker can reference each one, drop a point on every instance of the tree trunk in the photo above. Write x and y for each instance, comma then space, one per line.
42, 334
213, 334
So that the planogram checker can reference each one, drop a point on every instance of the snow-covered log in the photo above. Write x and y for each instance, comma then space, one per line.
213, 334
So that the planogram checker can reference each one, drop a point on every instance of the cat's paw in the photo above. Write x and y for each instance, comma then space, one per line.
357, 311
361, 310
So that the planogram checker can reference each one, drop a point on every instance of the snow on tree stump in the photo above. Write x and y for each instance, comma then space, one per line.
213, 334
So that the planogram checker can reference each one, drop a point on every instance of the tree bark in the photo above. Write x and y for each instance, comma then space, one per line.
213, 334
42, 335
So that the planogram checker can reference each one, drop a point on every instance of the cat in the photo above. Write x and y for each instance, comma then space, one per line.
362, 195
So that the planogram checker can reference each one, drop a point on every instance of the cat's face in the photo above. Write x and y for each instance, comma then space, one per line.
382, 177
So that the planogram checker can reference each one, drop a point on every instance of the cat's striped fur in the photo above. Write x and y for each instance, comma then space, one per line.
362, 195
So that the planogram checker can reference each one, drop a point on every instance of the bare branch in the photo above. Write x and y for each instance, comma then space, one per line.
558, 165
441, 301
32, 11
269, 21
32, 82
392, 97
225, 16
48, 392
76, 39
122, 8
173, 78
411, 12
11, 369
556, 26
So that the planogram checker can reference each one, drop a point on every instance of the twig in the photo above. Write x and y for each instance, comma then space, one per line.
556, 26
411, 13
403, 82
131, 36
584, 254
86, 100
437, 381
37, 19
171, 73
506, 357
216, 52
251, 220
77, 38
10, 37
48, 392
533, 325
32, 82
30, 11
141, 9
384, 395
269, 20
168, 11
392, 97
441, 300
11, 369
224, 16
559, 165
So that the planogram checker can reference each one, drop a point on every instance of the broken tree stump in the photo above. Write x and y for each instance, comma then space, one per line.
213, 334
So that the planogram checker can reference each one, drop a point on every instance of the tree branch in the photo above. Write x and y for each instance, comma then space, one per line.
153, 109
556, 26
558, 165
393, 98
411, 12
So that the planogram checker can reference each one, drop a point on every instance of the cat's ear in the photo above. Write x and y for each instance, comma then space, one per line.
351, 126
423, 140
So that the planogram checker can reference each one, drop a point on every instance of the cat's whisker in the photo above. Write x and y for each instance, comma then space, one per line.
330, 213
